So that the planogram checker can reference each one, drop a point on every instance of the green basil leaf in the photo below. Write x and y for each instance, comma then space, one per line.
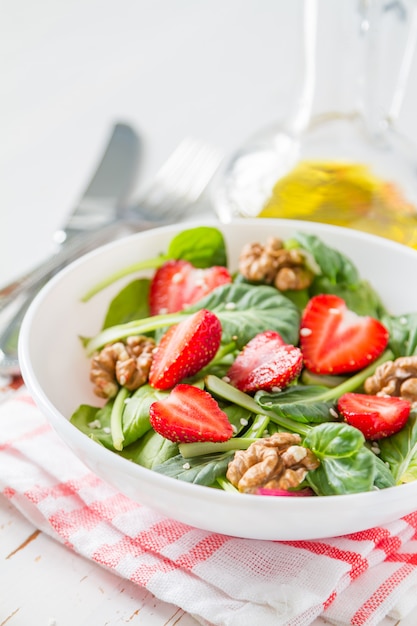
337, 476
334, 440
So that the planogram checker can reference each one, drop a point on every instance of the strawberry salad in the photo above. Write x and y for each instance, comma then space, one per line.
218, 378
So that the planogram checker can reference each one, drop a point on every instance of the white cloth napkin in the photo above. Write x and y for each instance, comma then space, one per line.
357, 579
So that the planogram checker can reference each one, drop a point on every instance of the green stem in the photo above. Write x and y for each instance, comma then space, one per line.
258, 427
116, 419
109, 280
354, 382
198, 448
226, 485
137, 327
228, 392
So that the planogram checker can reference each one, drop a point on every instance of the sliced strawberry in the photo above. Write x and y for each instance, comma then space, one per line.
190, 414
374, 416
264, 363
177, 284
185, 349
335, 340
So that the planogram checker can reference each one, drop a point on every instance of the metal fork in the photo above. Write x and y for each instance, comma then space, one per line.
172, 196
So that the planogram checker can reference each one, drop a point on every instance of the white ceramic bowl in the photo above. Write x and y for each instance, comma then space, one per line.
55, 370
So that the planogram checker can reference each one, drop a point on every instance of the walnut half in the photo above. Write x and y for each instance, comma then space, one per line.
395, 378
275, 462
125, 364
274, 264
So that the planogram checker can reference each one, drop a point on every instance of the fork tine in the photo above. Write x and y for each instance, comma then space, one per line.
180, 181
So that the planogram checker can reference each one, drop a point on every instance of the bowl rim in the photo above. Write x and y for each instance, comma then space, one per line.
69, 433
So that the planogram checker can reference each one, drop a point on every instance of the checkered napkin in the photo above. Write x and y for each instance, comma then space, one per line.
356, 579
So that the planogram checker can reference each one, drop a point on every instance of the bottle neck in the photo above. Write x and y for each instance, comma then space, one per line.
355, 60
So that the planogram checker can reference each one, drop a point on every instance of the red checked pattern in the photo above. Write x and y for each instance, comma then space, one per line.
357, 579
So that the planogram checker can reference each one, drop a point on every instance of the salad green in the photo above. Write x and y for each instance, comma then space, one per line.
348, 463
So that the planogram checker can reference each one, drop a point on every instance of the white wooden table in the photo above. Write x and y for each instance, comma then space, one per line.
214, 70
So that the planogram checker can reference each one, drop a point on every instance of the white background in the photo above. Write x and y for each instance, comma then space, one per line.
217, 70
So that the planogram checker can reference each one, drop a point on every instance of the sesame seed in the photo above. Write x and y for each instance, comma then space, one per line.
305, 332
334, 311
243, 421
276, 389
333, 413
186, 466
94, 424
226, 379
230, 306
107, 430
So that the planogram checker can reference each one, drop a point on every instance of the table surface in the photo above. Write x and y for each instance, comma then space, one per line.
217, 71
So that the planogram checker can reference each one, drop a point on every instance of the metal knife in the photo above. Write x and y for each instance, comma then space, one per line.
91, 223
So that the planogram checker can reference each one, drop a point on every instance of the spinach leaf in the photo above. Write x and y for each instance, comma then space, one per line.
403, 334
301, 403
340, 277
245, 310
94, 422
202, 246
383, 475
334, 265
400, 451
237, 415
202, 470
131, 303
360, 297
150, 451
135, 418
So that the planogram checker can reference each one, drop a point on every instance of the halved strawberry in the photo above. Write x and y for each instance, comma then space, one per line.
335, 340
190, 414
185, 349
264, 363
375, 416
177, 284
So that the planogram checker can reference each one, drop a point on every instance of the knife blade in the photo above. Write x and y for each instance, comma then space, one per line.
92, 219
100, 204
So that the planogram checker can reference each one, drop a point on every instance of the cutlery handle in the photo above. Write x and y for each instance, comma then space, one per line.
16, 297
